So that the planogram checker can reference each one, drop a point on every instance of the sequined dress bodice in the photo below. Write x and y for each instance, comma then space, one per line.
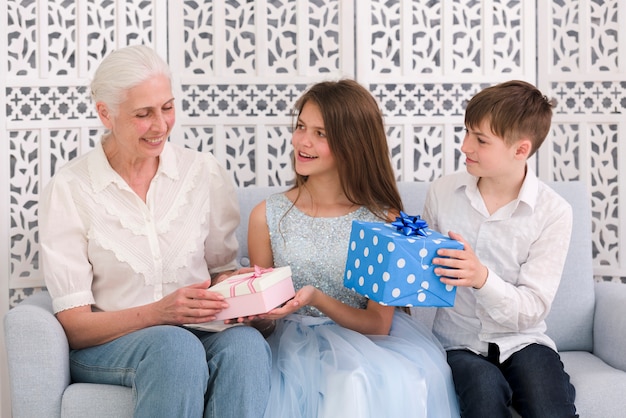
314, 248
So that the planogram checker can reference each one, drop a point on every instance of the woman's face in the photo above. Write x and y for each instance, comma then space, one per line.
310, 144
144, 119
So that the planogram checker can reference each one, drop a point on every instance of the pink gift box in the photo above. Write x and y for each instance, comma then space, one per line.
255, 292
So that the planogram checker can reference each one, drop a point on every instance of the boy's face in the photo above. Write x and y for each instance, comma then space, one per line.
487, 155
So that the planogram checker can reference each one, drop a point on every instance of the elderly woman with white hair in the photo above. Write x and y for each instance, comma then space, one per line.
133, 233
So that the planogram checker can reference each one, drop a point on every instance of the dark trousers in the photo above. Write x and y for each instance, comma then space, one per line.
532, 380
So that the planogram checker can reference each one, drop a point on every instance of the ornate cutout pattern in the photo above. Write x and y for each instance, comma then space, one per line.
243, 65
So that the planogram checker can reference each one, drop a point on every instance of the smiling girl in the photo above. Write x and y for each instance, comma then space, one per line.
336, 353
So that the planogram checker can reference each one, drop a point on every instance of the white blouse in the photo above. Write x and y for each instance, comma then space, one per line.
101, 245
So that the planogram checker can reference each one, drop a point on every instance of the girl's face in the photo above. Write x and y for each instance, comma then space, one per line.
144, 119
310, 145
487, 155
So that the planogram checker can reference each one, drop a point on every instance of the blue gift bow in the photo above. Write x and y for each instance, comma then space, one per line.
410, 225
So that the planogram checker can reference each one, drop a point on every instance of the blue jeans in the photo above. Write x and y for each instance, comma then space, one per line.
176, 372
532, 380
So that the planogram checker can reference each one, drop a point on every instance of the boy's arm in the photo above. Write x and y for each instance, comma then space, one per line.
523, 300
524, 304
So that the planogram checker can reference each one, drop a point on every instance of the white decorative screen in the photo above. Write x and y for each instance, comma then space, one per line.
583, 65
240, 65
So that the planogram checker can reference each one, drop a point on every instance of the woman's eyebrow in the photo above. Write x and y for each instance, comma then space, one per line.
150, 107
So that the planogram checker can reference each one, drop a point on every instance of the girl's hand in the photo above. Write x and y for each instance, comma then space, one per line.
303, 297
464, 267
190, 305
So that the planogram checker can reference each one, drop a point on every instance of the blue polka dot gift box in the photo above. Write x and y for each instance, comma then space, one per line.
391, 262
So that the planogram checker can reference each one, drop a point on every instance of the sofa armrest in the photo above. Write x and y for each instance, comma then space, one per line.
38, 358
609, 324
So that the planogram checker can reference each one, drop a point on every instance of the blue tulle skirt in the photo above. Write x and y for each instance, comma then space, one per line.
324, 370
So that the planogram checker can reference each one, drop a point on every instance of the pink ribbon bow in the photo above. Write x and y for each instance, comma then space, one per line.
249, 280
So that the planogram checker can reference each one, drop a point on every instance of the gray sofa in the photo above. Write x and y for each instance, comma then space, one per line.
588, 322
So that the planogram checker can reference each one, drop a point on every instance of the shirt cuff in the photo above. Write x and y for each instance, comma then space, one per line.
73, 300
493, 291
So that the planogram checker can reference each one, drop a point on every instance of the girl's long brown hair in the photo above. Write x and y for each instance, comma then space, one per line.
356, 136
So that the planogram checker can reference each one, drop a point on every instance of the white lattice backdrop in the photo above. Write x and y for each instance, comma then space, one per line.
239, 66
583, 64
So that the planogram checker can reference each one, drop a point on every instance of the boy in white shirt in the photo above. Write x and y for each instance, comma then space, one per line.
516, 233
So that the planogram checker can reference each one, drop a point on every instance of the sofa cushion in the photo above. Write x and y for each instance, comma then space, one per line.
36, 391
570, 322
609, 330
249, 197
104, 401
595, 380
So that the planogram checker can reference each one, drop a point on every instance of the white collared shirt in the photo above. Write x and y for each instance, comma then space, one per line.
102, 245
523, 244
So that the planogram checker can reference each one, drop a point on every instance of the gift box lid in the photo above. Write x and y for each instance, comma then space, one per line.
257, 281
388, 230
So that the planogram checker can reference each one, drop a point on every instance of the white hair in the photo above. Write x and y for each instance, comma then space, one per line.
123, 69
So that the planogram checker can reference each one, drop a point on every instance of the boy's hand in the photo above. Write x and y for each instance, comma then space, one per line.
464, 268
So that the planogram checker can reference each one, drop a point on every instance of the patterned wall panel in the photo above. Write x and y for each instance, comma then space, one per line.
21, 36
242, 68
424, 59
239, 66
23, 195
581, 66
48, 103
452, 38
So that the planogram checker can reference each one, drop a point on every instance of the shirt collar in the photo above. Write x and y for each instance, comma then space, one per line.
530, 189
528, 192
102, 174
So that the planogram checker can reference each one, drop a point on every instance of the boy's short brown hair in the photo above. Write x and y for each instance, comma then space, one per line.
515, 109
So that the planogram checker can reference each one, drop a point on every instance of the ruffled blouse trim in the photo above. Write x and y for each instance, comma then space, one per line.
133, 214
183, 198
73, 300
137, 262
192, 232
102, 176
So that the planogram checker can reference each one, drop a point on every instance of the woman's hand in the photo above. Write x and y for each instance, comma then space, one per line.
190, 305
